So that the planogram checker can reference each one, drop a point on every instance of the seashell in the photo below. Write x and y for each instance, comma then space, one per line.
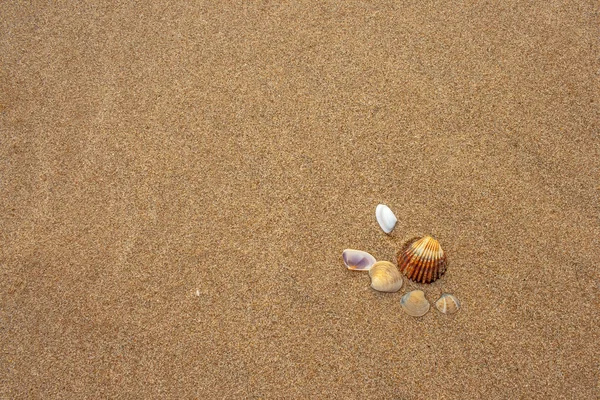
385, 277
422, 260
447, 304
358, 260
414, 303
386, 218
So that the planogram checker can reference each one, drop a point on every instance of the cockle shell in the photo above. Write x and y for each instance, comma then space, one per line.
414, 303
358, 260
422, 260
385, 217
385, 277
447, 304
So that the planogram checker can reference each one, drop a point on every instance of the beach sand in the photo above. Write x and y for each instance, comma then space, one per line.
178, 182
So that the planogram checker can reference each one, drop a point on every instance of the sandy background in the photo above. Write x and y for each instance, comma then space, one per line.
178, 182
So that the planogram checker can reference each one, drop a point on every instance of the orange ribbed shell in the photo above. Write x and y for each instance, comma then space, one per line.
422, 260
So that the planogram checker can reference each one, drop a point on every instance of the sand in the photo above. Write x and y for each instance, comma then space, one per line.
178, 181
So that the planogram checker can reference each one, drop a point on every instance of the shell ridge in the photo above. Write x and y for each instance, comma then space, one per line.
422, 260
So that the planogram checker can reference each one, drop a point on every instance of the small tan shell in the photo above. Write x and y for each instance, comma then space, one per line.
414, 303
447, 304
385, 277
422, 260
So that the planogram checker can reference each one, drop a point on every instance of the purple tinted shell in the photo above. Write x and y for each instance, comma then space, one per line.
358, 260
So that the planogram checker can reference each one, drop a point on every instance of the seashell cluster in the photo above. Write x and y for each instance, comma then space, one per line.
385, 277
447, 304
414, 303
358, 260
385, 217
422, 260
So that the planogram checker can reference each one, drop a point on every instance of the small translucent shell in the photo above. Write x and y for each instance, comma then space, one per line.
422, 260
414, 303
358, 260
385, 277
447, 304
385, 217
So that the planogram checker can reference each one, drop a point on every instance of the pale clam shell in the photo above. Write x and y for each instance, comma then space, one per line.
447, 304
385, 277
358, 260
422, 260
385, 217
414, 303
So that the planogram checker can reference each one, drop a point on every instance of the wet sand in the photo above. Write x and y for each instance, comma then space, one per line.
178, 183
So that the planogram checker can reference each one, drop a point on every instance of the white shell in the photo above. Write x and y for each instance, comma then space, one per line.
358, 260
447, 304
386, 218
